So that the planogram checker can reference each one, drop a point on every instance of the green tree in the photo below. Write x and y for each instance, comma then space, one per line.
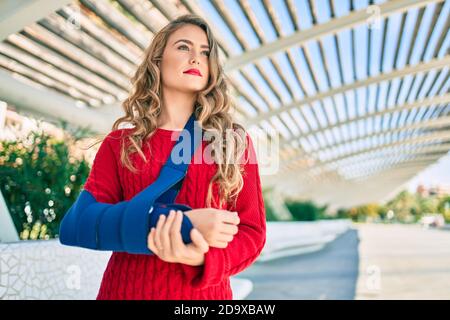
373, 212
405, 207
343, 214
270, 213
428, 205
306, 211
444, 208
40, 180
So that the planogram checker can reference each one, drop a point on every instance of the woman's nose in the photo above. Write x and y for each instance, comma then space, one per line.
195, 60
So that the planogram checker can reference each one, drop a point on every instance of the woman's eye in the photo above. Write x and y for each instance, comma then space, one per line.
206, 53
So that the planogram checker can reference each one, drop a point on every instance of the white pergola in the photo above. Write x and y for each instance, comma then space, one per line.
360, 104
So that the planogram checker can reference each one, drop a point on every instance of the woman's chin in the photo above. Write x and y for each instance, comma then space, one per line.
193, 88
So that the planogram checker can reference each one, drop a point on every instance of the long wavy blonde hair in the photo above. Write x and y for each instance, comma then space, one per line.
212, 110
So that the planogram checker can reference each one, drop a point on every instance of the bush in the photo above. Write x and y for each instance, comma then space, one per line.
40, 180
270, 214
444, 208
343, 214
305, 211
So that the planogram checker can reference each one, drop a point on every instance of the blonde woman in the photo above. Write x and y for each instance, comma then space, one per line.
180, 75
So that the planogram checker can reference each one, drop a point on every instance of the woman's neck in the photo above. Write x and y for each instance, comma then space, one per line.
177, 107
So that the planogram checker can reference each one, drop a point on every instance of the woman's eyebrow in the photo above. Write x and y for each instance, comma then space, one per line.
190, 42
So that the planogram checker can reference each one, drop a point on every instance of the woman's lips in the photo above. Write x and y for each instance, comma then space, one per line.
193, 72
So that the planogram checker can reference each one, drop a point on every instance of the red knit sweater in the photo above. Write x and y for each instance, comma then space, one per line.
136, 276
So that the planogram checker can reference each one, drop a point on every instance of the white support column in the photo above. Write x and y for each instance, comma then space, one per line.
8, 232
2, 117
275, 200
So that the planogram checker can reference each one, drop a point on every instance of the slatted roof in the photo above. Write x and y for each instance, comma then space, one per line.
357, 90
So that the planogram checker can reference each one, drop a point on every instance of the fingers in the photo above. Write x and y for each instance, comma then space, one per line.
230, 217
176, 226
166, 242
175, 236
225, 237
220, 244
159, 224
151, 242
222, 240
165, 233
229, 229
199, 241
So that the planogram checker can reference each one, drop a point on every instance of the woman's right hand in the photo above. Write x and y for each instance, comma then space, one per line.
217, 226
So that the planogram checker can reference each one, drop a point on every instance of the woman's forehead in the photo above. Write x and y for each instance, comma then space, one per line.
192, 33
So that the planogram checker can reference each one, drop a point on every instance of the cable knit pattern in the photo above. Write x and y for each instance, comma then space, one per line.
136, 276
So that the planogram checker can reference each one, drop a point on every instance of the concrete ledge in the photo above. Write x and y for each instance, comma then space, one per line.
46, 270
293, 238
241, 288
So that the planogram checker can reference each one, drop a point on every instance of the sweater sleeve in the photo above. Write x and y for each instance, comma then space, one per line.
247, 244
103, 180
99, 219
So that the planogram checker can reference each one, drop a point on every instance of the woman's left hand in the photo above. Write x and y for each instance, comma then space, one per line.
165, 241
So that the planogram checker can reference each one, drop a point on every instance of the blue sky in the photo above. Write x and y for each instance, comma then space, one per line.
436, 174
297, 124
331, 56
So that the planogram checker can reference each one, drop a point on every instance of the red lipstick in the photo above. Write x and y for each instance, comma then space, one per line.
195, 72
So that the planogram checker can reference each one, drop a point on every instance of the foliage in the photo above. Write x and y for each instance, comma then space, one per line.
40, 180
366, 213
270, 213
444, 208
306, 211
405, 207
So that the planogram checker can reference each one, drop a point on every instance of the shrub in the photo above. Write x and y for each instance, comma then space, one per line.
40, 180
305, 211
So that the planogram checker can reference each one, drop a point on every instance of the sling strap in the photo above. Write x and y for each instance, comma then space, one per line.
124, 226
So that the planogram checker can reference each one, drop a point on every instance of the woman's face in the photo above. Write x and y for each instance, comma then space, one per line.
186, 49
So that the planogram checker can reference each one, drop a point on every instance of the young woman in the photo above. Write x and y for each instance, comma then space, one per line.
181, 75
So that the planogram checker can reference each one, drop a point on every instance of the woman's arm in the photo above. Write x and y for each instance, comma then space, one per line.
217, 226
96, 220
247, 244
165, 241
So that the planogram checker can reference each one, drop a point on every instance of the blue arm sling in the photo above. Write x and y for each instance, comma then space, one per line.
124, 226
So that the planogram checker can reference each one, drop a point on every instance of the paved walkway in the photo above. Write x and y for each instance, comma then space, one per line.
403, 262
327, 274
370, 262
